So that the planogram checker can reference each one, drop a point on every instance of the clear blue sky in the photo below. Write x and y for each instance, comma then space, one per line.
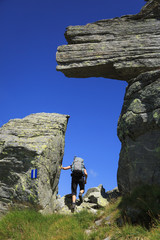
31, 31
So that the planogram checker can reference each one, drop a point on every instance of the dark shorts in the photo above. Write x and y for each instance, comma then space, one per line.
75, 182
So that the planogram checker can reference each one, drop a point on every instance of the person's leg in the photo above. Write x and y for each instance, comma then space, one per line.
82, 191
73, 198
74, 192
81, 185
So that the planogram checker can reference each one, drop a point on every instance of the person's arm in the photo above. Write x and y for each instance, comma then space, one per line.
66, 168
86, 175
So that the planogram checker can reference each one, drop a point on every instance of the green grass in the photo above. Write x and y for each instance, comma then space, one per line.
31, 225
144, 201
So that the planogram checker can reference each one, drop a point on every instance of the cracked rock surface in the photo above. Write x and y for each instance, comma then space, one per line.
125, 48
119, 48
34, 142
139, 132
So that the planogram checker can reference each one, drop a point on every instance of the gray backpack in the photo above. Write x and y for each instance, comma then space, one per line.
78, 166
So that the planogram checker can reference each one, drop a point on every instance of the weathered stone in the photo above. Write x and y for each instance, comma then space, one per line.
112, 194
119, 48
96, 195
139, 132
141, 108
63, 205
34, 142
107, 220
88, 231
125, 48
92, 200
98, 222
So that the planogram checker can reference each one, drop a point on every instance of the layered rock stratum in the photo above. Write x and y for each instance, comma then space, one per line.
34, 142
125, 48
119, 48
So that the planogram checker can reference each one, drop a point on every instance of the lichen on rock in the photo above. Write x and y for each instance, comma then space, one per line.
119, 48
139, 132
125, 48
34, 142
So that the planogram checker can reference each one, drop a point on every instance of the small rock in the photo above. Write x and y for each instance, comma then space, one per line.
94, 211
107, 218
98, 222
107, 238
88, 231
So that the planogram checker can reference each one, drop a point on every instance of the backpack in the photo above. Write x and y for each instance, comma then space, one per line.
78, 167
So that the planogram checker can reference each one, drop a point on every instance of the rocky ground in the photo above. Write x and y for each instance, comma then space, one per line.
94, 199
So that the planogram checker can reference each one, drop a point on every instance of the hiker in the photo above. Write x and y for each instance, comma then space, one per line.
79, 176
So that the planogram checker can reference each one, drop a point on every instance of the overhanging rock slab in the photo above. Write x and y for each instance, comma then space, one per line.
119, 48
125, 48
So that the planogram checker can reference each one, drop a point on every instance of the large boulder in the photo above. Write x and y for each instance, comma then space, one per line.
34, 142
125, 48
139, 132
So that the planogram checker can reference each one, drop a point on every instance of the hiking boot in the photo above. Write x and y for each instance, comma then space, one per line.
73, 207
80, 197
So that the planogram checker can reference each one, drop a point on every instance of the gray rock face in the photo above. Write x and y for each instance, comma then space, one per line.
119, 48
34, 142
125, 48
139, 132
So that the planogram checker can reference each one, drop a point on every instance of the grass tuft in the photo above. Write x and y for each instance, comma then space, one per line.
114, 221
29, 225
142, 206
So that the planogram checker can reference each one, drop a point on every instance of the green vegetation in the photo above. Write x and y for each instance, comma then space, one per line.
142, 206
134, 217
29, 225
